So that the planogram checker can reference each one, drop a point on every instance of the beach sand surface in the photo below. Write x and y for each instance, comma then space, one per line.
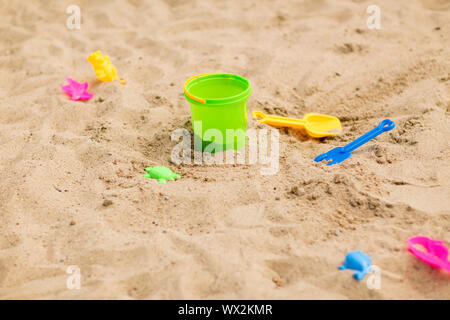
71, 185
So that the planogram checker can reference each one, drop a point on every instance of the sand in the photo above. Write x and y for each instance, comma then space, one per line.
71, 185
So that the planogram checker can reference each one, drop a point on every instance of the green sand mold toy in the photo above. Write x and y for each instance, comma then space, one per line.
160, 173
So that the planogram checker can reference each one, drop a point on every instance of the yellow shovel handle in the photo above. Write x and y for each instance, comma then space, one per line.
278, 121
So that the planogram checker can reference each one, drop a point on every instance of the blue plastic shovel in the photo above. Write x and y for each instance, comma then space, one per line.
339, 154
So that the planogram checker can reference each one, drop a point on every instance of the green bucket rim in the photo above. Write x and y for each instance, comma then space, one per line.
245, 94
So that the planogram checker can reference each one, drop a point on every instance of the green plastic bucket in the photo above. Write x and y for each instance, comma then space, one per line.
218, 107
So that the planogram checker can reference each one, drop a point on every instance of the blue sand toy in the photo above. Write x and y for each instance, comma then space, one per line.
339, 154
357, 260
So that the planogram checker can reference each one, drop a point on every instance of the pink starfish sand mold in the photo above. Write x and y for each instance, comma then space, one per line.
76, 90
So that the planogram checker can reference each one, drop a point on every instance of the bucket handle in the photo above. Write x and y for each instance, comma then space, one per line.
191, 95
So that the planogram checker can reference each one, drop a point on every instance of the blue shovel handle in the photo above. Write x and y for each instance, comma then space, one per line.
385, 125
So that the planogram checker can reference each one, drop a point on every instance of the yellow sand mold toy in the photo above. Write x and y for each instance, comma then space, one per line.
103, 68
316, 125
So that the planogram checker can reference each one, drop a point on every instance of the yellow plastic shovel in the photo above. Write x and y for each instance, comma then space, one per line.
316, 125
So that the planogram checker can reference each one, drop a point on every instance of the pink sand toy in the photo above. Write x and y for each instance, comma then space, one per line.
76, 90
436, 254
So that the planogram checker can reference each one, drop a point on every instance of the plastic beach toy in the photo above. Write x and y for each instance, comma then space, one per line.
436, 254
76, 90
316, 125
339, 154
218, 102
103, 68
357, 260
160, 173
